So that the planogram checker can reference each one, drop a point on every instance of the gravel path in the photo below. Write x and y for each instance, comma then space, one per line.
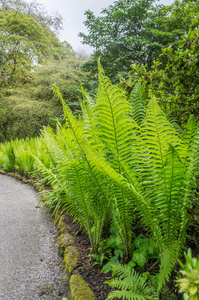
30, 267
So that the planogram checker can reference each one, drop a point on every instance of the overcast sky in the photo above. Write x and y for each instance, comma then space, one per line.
72, 12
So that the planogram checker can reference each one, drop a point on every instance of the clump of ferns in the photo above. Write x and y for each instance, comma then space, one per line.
118, 160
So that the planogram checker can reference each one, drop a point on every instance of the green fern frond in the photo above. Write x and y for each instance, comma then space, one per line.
134, 196
119, 134
71, 121
190, 181
174, 122
131, 284
168, 260
90, 102
167, 200
137, 103
87, 110
157, 133
89, 132
189, 131
113, 123
47, 173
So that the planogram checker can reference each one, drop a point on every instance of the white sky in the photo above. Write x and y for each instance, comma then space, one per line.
72, 12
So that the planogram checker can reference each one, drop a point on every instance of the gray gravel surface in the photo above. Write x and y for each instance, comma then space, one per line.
30, 267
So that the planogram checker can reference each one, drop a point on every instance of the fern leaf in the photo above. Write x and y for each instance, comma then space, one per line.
137, 103
167, 199
118, 132
168, 261
47, 173
131, 284
134, 196
113, 123
174, 122
189, 131
192, 162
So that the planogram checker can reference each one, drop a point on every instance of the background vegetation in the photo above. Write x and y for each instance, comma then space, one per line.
123, 161
29, 51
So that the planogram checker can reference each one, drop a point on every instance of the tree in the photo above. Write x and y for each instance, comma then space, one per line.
27, 41
122, 35
27, 37
176, 83
135, 31
23, 43
37, 11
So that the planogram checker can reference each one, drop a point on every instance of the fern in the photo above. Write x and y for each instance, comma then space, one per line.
165, 183
90, 190
117, 131
131, 284
168, 260
137, 102
174, 122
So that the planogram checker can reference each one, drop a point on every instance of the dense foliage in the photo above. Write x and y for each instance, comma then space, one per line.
131, 31
176, 83
121, 165
118, 165
23, 43
32, 59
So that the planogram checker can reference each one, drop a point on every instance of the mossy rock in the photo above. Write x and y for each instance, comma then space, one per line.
28, 181
3, 172
80, 289
38, 187
14, 175
65, 240
71, 259
61, 226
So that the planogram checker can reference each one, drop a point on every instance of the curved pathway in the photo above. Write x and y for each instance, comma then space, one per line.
30, 267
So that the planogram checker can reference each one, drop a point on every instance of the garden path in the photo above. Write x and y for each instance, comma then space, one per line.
30, 267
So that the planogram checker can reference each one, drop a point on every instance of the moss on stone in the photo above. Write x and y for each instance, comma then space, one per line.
61, 226
38, 187
3, 172
80, 289
71, 258
65, 240
14, 175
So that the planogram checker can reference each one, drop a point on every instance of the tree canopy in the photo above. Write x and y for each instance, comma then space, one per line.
25, 40
32, 59
36, 10
134, 31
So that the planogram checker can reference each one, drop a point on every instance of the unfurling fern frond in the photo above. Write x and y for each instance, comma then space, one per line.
131, 285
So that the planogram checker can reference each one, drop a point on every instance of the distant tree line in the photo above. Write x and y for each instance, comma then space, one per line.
32, 59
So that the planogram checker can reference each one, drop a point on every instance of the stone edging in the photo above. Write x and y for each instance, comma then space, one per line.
78, 287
